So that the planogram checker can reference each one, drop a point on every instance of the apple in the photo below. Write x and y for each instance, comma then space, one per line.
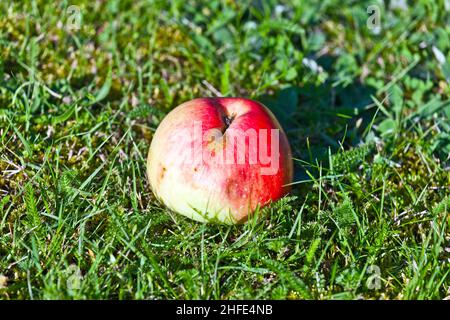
219, 159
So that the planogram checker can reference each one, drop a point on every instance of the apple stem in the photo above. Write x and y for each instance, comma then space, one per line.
228, 120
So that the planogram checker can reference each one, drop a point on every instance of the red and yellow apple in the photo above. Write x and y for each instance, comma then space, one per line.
218, 159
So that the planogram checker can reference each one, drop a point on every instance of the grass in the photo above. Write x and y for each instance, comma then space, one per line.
366, 111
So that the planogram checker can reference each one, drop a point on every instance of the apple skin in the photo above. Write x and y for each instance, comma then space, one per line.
217, 190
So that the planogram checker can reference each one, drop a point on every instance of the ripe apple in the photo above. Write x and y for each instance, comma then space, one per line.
218, 159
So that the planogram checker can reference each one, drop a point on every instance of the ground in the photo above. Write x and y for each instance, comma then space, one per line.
360, 87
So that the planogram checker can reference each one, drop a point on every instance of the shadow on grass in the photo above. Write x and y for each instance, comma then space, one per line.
321, 118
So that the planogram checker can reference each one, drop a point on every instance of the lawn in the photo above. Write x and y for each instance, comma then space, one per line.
361, 88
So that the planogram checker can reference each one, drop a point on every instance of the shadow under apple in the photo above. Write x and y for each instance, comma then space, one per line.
321, 118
